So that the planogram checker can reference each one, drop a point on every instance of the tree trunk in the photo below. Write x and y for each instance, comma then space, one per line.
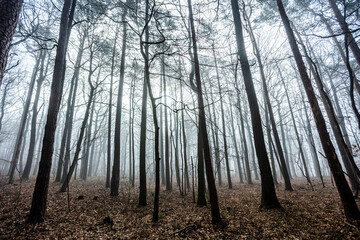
269, 107
9, 14
38, 205
24, 117
115, 178
268, 196
65, 185
223, 121
68, 120
346, 31
30, 157
348, 201
142, 163
215, 211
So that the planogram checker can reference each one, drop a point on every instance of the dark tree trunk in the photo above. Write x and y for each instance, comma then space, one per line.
9, 14
268, 196
201, 199
108, 156
347, 199
115, 178
65, 185
269, 107
38, 205
215, 211
68, 120
142, 162
167, 144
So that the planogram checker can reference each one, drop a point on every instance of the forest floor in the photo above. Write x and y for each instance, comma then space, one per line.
307, 214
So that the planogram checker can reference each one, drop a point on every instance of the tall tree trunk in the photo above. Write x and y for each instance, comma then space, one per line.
115, 178
65, 185
167, 144
201, 199
142, 162
347, 199
345, 152
38, 205
68, 119
30, 157
187, 180
223, 121
268, 196
269, 107
108, 155
9, 14
24, 116
350, 41
215, 211
338, 46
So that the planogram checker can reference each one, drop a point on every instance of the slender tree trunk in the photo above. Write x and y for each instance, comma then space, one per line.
30, 157
20, 135
65, 185
215, 211
345, 29
223, 121
268, 196
338, 46
68, 119
38, 205
184, 141
142, 163
9, 14
167, 147
347, 199
108, 155
269, 107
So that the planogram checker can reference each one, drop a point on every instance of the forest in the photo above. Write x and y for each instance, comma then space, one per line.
179, 119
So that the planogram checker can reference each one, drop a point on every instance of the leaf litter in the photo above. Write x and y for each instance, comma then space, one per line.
94, 214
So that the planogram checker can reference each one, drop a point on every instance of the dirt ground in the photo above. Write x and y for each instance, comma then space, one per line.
307, 214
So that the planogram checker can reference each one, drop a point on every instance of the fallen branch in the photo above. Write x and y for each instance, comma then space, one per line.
183, 229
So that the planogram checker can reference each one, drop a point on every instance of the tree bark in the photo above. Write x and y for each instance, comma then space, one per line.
347, 199
115, 178
268, 196
215, 211
9, 14
38, 205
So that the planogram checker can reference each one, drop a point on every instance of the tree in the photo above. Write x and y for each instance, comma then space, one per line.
115, 179
215, 211
9, 14
347, 199
38, 205
268, 196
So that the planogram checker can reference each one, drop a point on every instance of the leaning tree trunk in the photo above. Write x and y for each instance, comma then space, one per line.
20, 135
9, 14
30, 157
268, 196
38, 205
347, 199
65, 185
279, 148
350, 41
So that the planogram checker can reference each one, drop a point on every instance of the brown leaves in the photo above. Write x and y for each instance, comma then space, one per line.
307, 215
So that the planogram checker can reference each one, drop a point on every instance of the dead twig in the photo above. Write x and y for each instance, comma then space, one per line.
183, 229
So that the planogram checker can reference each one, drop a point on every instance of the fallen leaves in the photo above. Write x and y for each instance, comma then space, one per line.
307, 214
